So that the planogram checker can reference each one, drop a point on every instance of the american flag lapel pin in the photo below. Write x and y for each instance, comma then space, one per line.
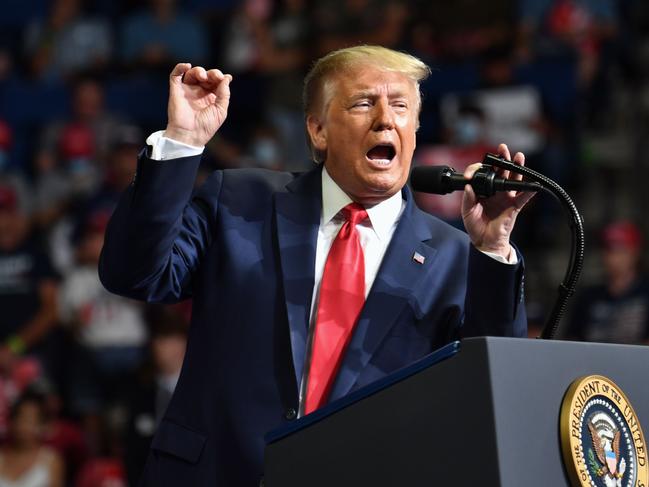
418, 258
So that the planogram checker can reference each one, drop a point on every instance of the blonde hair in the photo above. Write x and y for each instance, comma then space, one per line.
317, 83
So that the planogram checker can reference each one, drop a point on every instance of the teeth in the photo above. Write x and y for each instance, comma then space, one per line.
381, 162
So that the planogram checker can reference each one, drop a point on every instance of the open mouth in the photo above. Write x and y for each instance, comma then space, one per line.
381, 154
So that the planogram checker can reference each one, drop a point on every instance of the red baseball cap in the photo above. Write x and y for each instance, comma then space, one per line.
77, 141
622, 234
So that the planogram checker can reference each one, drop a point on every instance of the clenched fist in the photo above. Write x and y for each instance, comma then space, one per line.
198, 103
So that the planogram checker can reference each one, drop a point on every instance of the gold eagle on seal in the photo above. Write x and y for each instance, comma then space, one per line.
606, 443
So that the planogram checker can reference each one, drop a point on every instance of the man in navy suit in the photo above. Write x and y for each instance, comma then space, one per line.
250, 247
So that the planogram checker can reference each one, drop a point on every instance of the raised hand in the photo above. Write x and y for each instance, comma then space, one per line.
198, 103
490, 221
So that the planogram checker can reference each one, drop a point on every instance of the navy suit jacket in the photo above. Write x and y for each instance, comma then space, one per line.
243, 247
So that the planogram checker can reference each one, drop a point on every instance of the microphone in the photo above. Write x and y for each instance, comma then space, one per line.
485, 183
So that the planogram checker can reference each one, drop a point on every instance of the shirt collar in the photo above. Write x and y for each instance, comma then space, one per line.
382, 215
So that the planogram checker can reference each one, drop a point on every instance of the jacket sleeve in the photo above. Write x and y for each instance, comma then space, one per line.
495, 302
159, 231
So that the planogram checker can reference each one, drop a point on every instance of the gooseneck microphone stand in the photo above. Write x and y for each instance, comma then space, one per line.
575, 264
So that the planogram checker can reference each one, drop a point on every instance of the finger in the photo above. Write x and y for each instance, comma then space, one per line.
522, 198
215, 76
223, 92
195, 75
469, 200
519, 160
503, 151
210, 80
177, 73
470, 170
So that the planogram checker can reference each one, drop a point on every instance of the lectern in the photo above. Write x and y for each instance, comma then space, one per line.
483, 412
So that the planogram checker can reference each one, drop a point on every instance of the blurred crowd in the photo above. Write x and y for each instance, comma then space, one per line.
85, 375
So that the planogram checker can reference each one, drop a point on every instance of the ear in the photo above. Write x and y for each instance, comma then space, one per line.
317, 132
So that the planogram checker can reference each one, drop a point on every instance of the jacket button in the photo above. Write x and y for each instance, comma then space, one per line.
290, 414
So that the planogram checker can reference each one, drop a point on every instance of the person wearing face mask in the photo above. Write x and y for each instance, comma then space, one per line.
305, 287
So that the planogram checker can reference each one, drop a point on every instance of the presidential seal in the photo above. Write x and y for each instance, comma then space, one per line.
601, 438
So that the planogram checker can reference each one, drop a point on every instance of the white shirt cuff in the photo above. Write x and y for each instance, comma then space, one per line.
513, 258
163, 148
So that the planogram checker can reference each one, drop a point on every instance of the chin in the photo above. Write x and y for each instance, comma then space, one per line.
377, 191
386, 182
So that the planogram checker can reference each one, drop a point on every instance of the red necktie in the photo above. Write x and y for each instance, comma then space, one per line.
342, 294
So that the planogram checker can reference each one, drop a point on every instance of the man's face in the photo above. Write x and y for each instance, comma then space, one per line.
368, 132
621, 260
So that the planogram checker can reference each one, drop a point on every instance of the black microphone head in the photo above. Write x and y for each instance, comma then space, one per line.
431, 179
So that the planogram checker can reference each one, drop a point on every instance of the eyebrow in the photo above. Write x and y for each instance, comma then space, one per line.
373, 94
363, 94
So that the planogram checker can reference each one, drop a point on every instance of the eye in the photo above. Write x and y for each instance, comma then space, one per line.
362, 104
400, 105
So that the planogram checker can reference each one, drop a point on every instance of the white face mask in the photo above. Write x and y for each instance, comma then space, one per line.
467, 130
265, 151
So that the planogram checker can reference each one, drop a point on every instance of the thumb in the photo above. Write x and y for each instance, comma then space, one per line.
469, 199
471, 169
176, 76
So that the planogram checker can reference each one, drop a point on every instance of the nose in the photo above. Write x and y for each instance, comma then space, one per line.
384, 116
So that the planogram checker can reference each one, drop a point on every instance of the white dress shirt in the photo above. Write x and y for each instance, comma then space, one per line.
164, 148
374, 233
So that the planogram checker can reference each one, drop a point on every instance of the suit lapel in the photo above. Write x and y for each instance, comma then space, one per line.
297, 215
398, 281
